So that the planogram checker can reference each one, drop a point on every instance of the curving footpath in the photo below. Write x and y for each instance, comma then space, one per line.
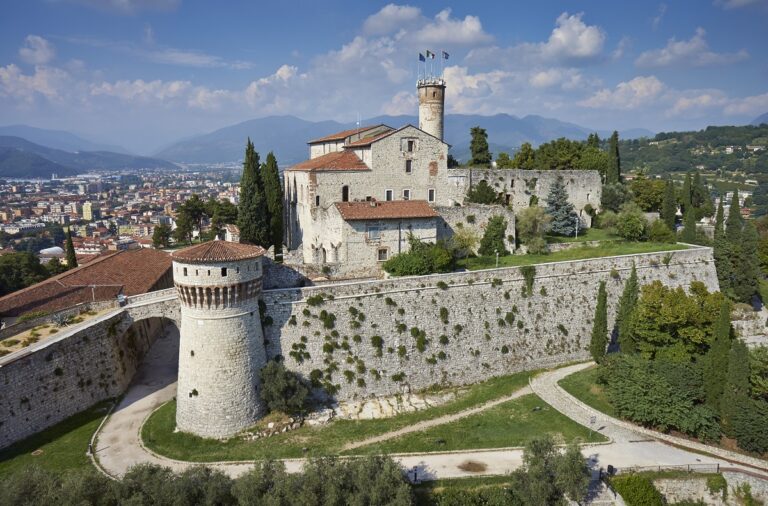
118, 444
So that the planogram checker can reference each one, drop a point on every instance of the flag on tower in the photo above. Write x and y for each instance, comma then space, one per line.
445, 55
430, 54
421, 57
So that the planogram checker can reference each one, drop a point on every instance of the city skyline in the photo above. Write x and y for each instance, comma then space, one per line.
144, 74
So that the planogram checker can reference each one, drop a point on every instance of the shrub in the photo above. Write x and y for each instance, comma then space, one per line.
398, 377
444, 315
660, 232
401, 351
493, 238
443, 339
422, 258
505, 349
637, 490
442, 285
378, 343
315, 300
631, 223
529, 274
282, 390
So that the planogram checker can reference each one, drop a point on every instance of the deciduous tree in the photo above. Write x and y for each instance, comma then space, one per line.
481, 156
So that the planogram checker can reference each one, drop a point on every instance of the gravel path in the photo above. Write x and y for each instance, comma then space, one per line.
426, 424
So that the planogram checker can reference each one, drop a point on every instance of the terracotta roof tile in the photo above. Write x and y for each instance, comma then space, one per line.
218, 251
340, 136
391, 210
339, 160
129, 272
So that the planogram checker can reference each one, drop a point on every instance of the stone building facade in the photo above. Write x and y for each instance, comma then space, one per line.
221, 349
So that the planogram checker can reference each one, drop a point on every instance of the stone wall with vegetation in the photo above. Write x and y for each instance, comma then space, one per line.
43, 387
382, 337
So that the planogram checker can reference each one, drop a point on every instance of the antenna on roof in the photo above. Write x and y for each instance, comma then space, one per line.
358, 119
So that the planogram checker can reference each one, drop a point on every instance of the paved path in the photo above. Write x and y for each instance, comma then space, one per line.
426, 424
119, 446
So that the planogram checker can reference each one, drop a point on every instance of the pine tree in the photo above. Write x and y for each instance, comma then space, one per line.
716, 359
721, 252
746, 273
669, 206
627, 304
481, 156
734, 222
253, 215
593, 141
274, 194
70, 251
599, 340
614, 171
564, 217
736, 389
689, 226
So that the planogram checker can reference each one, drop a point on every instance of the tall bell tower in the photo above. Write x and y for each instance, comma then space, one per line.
431, 105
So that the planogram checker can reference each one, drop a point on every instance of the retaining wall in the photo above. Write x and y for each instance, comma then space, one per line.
387, 336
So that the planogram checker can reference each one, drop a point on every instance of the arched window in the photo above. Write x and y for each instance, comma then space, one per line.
345, 193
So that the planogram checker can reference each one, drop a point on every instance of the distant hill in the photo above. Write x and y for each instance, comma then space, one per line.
15, 163
760, 120
71, 163
57, 139
287, 136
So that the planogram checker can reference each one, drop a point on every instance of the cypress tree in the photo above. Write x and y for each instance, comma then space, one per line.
686, 196
253, 215
274, 194
70, 251
564, 217
669, 206
599, 340
736, 390
734, 222
746, 273
627, 304
700, 197
614, 170
481, 156
593, 141
716, 359
689, 225
721, 252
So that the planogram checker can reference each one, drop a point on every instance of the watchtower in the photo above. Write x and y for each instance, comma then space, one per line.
431, 105
222, 345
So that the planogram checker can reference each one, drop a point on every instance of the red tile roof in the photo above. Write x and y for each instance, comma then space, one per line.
367, 141
339, 160
218, 251
391, 210
340, 136
129, 272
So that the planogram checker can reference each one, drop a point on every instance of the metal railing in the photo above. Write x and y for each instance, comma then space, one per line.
689, 468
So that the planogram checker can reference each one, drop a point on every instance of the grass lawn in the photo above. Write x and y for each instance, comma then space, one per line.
589, 234
509, 424
583, 385
62, 447
428, 491
158, 432
606, 249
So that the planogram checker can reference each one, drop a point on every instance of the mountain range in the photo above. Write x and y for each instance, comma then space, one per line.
58, 139
287, 136
20, 158
763, 118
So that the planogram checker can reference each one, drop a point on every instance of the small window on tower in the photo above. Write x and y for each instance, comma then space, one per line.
317, 200
185, 271
410, 146
406, 194
388, 195
223, 272
408, 166
382, 254
431, 195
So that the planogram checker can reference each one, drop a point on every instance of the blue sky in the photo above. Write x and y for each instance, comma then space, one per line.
143, 73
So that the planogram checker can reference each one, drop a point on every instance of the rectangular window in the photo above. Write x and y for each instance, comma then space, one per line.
410, 146
408, 166
223, 272
185, 271
388, 195
374, 233
383, 253
406, 194
431, 195
317, 200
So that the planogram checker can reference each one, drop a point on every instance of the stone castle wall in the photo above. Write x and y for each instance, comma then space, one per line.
388, 336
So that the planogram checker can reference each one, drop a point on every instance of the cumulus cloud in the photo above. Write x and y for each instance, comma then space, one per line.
747, 105
694, 51
693, 102
446, 30
638, 92
572, 42
404, 102
36, 50
45, 82
142, 91
391, 18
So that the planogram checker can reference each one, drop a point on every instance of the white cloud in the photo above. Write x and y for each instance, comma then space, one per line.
45, 81
656, 21
640, 91
473, 93
264, 90
37, 50
404, 102
130, 6
694, 51
694, 102
621, 48
142, 91
391, 18
447, 30
750, 106
738, 4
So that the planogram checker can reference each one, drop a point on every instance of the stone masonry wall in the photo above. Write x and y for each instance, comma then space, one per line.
379, 337
69, 375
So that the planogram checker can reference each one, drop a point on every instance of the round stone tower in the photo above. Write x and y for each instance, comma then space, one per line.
431, 105
222, 346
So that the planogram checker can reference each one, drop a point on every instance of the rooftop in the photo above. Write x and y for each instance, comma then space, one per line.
389, 210
218, 251
340, 136
339, 160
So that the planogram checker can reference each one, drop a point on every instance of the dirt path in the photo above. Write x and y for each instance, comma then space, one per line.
426, 424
